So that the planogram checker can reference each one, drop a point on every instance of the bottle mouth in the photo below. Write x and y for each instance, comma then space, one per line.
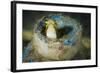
65, 26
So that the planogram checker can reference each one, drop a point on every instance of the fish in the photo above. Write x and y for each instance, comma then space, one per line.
51, 31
